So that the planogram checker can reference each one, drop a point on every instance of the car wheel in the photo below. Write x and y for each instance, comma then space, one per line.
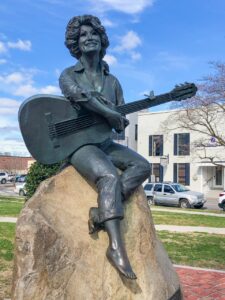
223, 207
199, 206
184, 203
21, 193
150, 200
3, 181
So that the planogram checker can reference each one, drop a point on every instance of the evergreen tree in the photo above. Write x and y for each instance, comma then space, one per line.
37, 173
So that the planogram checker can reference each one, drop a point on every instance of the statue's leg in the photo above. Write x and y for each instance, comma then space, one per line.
94, 164
116, 252
136, 169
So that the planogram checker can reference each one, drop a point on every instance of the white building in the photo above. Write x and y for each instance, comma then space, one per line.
174, 154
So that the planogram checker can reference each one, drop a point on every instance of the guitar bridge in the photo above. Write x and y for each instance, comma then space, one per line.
52, 130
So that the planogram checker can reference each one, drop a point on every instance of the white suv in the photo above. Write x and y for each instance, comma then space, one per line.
173, 194
20, 186
4, 177
221, 200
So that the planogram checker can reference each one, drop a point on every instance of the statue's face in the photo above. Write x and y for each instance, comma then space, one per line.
89, 40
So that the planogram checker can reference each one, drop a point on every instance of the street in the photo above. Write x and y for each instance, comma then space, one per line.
8, 190
212, 203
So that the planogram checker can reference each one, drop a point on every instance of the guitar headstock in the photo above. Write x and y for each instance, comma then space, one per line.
183, 91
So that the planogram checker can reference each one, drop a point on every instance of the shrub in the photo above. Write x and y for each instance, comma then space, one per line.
37, 173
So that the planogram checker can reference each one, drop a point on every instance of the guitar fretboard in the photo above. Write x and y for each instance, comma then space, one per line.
74, 125
129, 108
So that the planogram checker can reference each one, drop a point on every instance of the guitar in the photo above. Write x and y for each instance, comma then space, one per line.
53, 129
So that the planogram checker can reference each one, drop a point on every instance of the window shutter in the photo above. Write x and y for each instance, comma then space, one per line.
175, 172
149, 178
150, 145
161, 173
175, 144
136, 132
188, 143
161, 145
187, 174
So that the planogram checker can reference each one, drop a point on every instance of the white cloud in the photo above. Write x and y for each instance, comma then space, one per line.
28, 90
107, 23
129, 41
126, 6
22, 84
25, 90
3, 48
21, 45
15, 77
8, 106
49, 89
135, 55
127, 44
110, 59
9, 102
14, 147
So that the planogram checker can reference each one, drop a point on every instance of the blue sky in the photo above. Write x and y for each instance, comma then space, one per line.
154, 44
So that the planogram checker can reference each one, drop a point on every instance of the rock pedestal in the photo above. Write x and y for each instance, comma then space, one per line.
56, 258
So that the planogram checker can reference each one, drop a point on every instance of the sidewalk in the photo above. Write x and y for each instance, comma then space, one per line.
8, 220
187, 212
201, 284
182, 228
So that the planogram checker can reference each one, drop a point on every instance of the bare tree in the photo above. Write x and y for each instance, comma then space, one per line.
204, 114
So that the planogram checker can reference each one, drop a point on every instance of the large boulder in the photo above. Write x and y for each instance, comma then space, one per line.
56, 258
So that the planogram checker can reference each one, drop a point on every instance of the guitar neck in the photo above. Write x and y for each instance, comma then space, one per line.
69, 126
143, 104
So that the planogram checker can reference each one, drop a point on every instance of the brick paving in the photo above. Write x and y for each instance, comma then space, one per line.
201, 284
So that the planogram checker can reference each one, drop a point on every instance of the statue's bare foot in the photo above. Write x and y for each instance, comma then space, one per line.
120, 261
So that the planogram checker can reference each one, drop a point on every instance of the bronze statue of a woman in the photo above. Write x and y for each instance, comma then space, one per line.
89, 84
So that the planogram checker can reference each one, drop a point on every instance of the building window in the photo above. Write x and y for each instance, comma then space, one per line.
136, 132
155, 145
156, 173
181, 173
182, 144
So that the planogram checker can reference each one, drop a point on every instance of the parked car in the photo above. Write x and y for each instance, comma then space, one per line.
173, 194
19, 178
221, 200
3, 177
11, 177
20, 186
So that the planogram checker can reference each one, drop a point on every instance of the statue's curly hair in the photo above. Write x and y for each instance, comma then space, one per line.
73, 33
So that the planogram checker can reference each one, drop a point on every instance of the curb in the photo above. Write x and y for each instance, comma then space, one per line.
198, 269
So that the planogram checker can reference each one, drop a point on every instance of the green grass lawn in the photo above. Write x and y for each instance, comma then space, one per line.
7, 233
10, 206
195, 249
170, 218
192, 249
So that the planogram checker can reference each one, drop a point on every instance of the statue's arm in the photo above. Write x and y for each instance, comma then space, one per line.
74, 93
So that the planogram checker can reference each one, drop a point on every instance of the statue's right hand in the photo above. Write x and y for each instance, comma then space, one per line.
116, 120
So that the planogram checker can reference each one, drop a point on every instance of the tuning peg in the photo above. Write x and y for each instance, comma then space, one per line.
150, 95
